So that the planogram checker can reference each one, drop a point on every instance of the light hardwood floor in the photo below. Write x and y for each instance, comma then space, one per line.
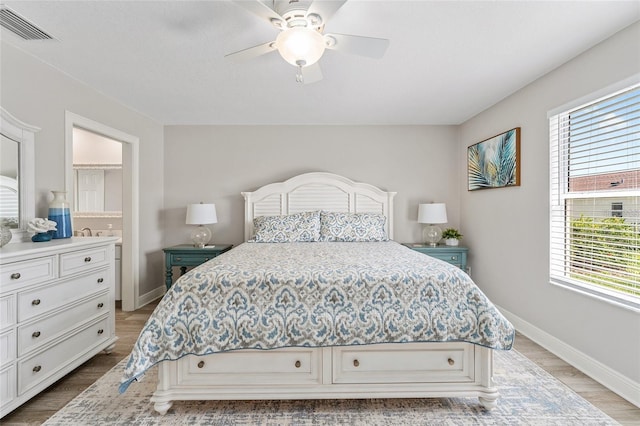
129, 324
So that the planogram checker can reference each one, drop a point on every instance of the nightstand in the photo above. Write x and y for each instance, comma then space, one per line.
455, 255
185, 255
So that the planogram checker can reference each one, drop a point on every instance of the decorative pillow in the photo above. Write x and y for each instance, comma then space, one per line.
298, 227
352, 227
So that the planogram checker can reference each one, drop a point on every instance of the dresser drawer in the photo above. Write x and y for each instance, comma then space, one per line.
83, 260
8, 388
403, 363
7, 347
46, 298
7, 311
36, 334
252, 367
33, 370
32, 271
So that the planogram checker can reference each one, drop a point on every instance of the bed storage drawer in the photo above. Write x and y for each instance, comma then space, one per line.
252, 367
403, 363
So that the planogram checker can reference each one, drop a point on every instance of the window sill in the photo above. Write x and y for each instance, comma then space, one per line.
613, 298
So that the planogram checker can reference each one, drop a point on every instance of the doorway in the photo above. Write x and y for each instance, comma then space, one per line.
129, 201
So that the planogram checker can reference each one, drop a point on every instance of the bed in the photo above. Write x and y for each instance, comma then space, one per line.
321, 303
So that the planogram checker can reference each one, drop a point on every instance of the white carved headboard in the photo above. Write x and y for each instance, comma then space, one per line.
316, 191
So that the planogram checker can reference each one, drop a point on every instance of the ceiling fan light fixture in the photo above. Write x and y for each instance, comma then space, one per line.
300, 45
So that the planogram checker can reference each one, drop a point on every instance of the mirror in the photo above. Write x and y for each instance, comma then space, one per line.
16, 174
97, 175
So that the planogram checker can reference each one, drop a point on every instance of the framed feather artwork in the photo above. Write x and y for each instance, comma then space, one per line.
495, 162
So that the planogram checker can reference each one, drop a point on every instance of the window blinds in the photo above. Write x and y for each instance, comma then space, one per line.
595, 197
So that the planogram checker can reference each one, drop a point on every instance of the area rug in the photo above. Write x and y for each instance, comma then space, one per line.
528, 396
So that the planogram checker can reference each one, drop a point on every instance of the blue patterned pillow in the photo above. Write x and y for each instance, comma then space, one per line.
352, 227
298, 227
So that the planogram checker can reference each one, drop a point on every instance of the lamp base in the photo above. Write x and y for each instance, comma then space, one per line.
201, 236
431, 235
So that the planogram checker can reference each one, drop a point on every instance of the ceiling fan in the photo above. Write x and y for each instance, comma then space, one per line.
301, 40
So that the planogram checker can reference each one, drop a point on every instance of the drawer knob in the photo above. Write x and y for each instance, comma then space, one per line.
37, 368
451, 361
87, 259
298, 364
100, 305
100, 331
35, 334
35, 302
15, 276
100, 280
201, 364
356, 363
453, 258
178, 259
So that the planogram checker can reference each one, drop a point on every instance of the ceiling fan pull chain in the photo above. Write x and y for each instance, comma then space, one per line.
299, 76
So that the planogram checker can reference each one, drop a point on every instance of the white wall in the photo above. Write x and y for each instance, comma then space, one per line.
215, 163
508, 229
39, 95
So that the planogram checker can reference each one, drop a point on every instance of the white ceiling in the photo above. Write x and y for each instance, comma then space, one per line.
446, 62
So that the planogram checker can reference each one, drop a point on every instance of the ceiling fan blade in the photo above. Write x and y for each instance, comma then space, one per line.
251, 52
311, 74
260, 9
358, 45
325, 8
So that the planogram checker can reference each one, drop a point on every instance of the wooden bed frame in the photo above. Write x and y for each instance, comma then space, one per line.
410, 370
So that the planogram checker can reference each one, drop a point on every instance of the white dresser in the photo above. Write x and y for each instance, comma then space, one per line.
57, 310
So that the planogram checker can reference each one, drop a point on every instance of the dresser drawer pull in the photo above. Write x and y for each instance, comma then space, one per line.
100, 331
451, 361
100, 280
298, 364
454, 257
201, 364
15, 276
35, 302
356, 363
87, 259
35, 334
37, 369
100, 305
178, 259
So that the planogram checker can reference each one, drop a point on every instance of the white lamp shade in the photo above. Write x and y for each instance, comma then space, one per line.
300, 46
201, 214
432, 213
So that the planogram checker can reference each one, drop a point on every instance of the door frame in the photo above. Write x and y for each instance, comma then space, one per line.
130, 198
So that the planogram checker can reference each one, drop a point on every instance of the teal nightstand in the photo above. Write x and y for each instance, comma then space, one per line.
185, 255
455, 255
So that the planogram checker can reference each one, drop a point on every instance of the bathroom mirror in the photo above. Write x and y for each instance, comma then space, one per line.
97, 190
16, 174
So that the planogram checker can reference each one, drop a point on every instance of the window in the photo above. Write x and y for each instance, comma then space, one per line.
595, 171
616, 209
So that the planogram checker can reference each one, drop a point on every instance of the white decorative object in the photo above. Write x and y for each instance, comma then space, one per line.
201, 214
412, 370
57, 310
451, 241
432, 214
39, 225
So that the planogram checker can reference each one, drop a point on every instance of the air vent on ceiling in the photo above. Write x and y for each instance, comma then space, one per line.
17, 24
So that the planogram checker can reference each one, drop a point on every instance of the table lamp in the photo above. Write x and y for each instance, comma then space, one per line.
201, 214
432, 214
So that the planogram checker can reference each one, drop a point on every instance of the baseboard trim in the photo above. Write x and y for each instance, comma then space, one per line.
149, 297
616, 382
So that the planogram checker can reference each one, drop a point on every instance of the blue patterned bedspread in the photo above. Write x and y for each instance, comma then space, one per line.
262, 296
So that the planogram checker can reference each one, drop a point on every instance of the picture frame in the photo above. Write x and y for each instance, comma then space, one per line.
494, 162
